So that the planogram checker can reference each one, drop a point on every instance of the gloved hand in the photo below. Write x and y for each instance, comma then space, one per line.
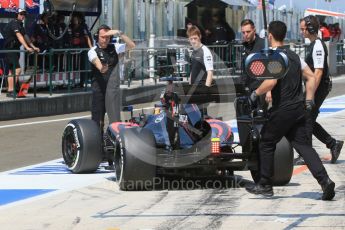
253, 97
309, 105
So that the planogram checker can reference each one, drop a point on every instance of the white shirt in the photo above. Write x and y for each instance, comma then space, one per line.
318, 55
120, 48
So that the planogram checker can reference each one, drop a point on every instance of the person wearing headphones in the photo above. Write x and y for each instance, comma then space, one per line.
15, 36
104, 59
316, 58
105, 75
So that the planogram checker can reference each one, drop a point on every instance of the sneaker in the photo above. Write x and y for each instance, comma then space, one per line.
328, 190
335, 151
10, 94
259, 189
298, 161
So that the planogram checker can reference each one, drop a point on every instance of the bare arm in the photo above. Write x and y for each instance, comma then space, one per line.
29, 42
310, 85
102, 68
209, 78
268, 97
266, 86
23, 42
129, 43
318, 75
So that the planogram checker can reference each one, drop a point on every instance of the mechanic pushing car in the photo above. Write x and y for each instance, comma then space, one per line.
288, 118
105, 77
316, 58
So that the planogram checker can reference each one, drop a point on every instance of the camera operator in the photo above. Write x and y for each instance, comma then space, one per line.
287, 118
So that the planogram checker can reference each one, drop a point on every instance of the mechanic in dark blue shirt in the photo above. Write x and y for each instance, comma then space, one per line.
288, 118
15, 36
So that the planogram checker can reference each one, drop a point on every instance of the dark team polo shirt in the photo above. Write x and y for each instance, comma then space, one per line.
107, 56
316, 57
256, 46
201, 62
10, 30
288, 91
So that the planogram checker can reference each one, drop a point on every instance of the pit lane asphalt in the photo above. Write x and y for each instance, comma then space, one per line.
103, 206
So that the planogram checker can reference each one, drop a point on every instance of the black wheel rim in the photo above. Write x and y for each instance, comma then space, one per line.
69, 147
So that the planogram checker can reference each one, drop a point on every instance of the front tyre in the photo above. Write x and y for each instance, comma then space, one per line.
82, 146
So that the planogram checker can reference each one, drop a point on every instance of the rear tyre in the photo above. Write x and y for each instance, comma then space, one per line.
135, 159
82, 146
283, 163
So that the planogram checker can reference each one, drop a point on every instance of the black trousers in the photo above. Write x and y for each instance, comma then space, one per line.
291, 123
98, 104
113, 97
313, 126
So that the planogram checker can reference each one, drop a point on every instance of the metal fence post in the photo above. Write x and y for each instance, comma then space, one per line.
69, 69
35, 74
142, 67
51, 72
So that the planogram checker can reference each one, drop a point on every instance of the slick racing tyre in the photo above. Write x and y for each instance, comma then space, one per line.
283, 163
82, 146
135, 158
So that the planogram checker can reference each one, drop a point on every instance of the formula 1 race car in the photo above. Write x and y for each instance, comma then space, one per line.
178, 139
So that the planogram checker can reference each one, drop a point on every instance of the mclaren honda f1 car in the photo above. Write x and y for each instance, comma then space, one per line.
177, 139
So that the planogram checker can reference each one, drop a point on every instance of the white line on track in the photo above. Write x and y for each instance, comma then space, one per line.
42, 122
55, 120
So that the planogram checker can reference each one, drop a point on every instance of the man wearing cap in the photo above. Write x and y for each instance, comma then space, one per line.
15, 36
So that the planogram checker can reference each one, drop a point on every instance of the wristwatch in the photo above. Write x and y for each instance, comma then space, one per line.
120, 33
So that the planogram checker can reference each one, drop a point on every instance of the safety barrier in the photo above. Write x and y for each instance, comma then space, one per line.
57, 67
69, 68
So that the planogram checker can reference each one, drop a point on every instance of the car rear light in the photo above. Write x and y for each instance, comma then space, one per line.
215, 145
